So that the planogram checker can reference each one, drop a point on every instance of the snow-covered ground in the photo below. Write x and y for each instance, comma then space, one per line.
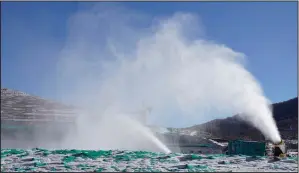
137, 161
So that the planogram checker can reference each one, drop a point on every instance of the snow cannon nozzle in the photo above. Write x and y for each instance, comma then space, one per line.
279, 143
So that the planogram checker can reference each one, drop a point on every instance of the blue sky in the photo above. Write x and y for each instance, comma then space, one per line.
32, 32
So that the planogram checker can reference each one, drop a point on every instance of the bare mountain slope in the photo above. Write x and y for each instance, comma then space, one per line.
285, 114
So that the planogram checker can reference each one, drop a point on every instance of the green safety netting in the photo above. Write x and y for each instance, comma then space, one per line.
295, 158
110, 160
8, 152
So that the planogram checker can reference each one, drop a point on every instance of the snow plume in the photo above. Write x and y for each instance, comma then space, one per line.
115, 59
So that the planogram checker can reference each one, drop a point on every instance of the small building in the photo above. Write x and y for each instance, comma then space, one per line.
250, 148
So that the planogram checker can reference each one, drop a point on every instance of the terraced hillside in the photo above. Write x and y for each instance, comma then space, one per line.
19, 106
27, 118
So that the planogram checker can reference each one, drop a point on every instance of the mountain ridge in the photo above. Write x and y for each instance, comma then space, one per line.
285, 114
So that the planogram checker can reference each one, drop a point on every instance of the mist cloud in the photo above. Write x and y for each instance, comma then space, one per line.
117, 60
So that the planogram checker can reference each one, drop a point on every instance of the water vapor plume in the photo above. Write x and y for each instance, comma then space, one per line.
115, 59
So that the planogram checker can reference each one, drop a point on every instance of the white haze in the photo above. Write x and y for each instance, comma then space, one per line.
115, 60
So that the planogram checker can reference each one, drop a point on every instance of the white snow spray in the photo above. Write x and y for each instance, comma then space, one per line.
116, 59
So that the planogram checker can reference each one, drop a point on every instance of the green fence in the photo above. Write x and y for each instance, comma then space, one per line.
250, 148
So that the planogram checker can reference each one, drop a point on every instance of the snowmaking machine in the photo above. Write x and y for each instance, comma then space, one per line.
279, 149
